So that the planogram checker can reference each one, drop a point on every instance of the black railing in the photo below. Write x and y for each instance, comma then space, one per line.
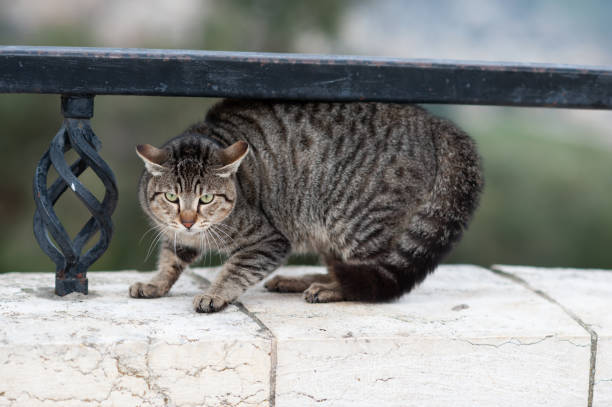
80, 73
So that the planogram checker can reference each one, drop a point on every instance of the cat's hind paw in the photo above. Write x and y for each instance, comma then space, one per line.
282, 284
320, 292
207, 303
145, 290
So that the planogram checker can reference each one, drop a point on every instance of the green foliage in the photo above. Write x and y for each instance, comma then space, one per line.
268, 25
545, 201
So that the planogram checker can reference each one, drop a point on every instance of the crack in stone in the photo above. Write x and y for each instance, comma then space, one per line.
594, 337
122, 371
273, 350
116, 386
150, 379
54, 399
72, 363
246, 398
125, 373
316, 400
574, 343
511, 341
202, 281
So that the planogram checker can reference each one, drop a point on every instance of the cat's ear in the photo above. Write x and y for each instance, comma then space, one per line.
231, 157
153, 158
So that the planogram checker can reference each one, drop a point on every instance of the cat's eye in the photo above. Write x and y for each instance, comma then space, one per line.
171, 197
206, 198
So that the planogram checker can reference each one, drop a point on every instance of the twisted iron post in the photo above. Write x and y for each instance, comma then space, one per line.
76, 134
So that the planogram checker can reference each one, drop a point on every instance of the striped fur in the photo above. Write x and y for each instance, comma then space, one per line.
380, 191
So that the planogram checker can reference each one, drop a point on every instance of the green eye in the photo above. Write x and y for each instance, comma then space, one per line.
171, 197
206, 198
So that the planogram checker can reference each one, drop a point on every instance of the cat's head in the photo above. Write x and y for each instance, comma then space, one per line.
190, 186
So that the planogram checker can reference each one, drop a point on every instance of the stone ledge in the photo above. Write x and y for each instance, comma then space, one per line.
467, 336
587, 295
110, 350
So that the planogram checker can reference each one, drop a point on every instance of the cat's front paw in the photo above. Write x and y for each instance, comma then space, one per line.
209, 303
145, 290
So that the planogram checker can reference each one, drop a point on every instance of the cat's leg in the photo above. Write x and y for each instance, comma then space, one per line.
283, 284
298, 284
357, 281
324, 292
172, 262
374, 269
257, 255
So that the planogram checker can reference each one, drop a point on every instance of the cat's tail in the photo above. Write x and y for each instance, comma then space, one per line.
439, 222
432, 229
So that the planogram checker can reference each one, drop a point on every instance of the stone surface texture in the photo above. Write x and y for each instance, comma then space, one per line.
588, 295
467, 336
107, 349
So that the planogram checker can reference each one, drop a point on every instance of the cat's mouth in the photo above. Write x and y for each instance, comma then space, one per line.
196, 228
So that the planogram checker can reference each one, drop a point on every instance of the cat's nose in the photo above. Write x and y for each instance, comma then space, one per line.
188, 218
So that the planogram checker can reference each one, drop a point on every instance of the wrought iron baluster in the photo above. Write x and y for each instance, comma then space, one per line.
75, 134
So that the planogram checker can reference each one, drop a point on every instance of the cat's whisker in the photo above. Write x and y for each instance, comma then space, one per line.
221, 230
151, 229
201, 234
175, 243
224, 255
154, 242
212, 236
230, 228
215, 240
219, 238
231, 241
212, 239
208, 248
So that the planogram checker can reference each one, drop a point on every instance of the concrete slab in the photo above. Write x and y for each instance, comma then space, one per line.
587, 294
107, 349
465, 337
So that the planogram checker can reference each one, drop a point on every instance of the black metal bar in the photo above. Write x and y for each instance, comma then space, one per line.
304, 77
76, 134
84, 72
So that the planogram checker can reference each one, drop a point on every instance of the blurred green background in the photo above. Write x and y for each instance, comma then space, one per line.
548, 172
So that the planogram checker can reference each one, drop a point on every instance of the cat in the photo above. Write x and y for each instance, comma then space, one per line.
380, 191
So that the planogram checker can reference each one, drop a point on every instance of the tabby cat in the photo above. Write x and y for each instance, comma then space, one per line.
380, 191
